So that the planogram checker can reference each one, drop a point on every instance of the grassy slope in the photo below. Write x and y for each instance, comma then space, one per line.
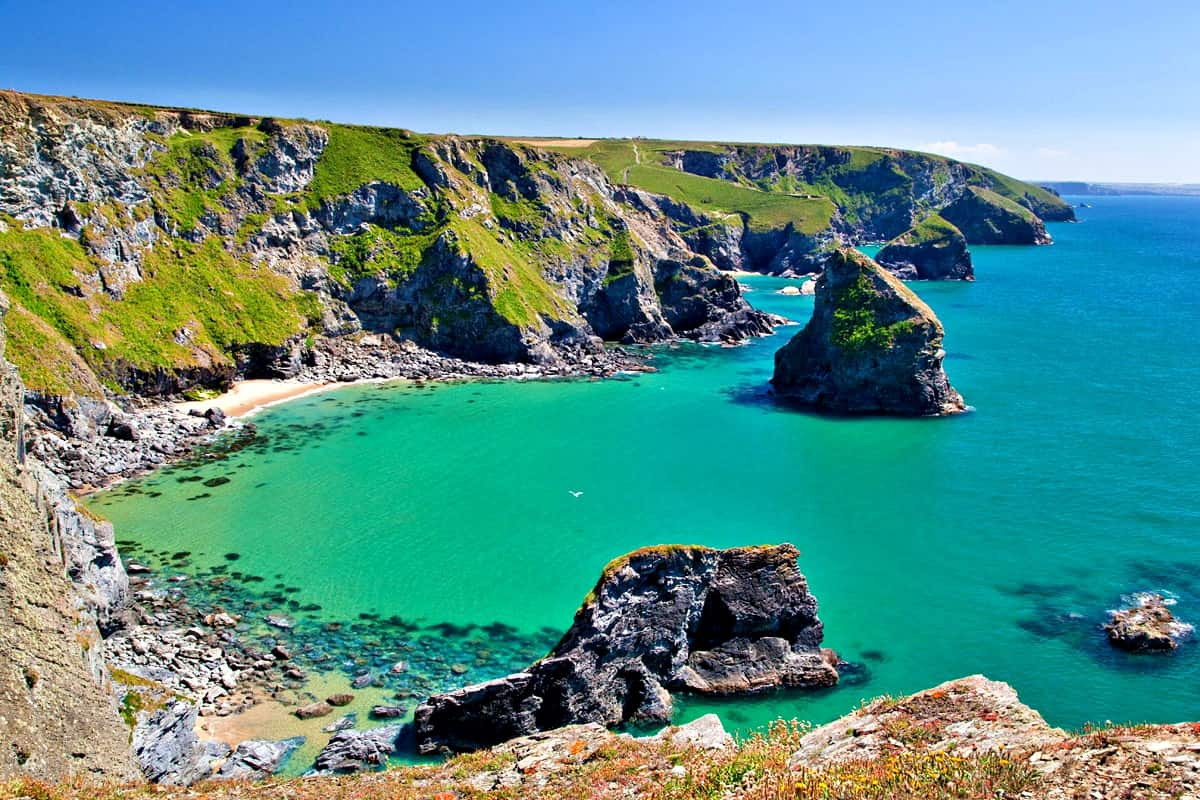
772, 204
644, 168
932, 228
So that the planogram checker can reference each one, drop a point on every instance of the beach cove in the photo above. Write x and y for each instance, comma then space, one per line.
992, 542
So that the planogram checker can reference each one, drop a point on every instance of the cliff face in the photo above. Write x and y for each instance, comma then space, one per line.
782, 208
660, 619
985, 217
57, 718
871, 347
156, 249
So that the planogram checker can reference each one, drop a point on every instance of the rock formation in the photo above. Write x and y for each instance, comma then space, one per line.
57, 718
985, 217
931, 250
1146, 626
871, 347
660, 619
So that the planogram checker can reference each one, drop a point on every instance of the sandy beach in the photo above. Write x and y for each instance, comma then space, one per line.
249, 396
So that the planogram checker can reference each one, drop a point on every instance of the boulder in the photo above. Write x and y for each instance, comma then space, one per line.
1146, 626
871, 347
660, 619
985, 217
258, 759
706, 733
931, 250
168, 750
353, 750
313, 710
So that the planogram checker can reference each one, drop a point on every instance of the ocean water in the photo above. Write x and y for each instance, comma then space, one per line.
992, 542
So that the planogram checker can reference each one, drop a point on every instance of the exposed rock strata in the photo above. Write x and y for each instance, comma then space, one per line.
871, 347
57, 718
708, 621
932, 250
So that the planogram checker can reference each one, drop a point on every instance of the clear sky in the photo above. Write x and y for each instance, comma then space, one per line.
1098, 90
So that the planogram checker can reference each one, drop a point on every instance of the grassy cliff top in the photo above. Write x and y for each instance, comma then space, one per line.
931, 229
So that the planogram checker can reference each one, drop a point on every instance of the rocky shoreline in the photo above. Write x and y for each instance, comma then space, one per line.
93, 444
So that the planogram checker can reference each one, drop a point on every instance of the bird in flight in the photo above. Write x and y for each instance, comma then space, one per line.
574, 494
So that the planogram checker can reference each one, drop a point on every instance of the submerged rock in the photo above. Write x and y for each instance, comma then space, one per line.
1147, 626
871, 347
661, 618
985, 217
931, 250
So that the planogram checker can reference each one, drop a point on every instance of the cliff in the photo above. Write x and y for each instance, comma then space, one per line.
57, 716
931, 250
969, 738
150, 250
871, 347
660, 619
781, 208
985, 217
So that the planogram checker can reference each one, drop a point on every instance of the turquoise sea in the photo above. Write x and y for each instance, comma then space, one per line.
991, 542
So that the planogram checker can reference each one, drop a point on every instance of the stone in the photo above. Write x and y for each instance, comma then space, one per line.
361, 682
258, 759
931, 250
660, 618
313, 710
342, 724
871, 347
706, 733
167, 748
340, 699
969, 716
388, 712
1146, 626
353, 750
279, 621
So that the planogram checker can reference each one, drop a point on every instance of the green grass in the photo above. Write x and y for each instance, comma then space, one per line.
930, 230
857, 323
358, 155
992, 198
393, 254
224, 301
196, 171
520, 292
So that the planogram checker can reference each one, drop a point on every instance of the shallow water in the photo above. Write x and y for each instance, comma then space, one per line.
991, 542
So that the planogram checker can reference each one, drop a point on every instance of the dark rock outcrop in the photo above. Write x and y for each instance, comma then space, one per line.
931, 250
985, 217
168, 749
1146, 626
660, 619
871, 347
353, 750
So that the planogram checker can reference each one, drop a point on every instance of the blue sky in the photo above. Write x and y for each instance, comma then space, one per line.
1049, 90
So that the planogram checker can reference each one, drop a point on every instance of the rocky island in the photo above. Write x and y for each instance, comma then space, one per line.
871, 347
660, 619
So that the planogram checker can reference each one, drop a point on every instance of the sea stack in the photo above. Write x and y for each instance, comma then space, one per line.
931, 250
673, 617
871, 347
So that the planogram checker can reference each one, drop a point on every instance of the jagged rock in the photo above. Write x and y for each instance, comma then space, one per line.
696, 611
168, 750
931, 250
985, 217
706, 732
342, 724
258, 759
1148, 625
872, 346
970, 715
350, 751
